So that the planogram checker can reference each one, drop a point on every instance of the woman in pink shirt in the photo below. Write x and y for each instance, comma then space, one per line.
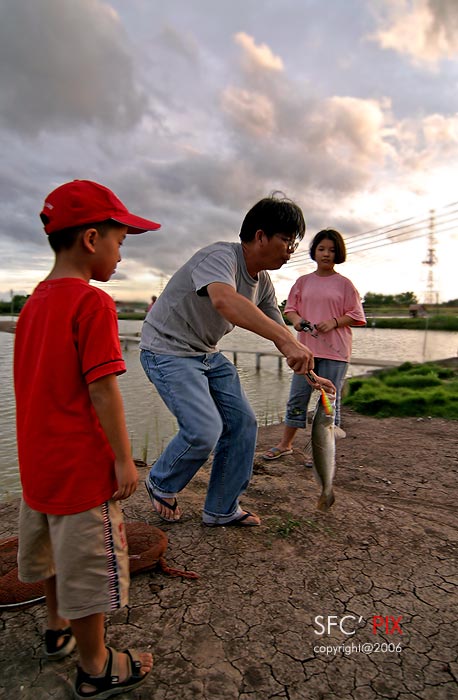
322, 307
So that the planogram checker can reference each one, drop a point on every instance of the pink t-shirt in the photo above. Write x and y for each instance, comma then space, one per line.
318, 299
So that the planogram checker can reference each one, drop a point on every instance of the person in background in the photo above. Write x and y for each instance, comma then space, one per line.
152, 302
222, 285
74, 452
322, 306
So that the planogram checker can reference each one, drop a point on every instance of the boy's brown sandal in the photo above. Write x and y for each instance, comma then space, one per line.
109, 684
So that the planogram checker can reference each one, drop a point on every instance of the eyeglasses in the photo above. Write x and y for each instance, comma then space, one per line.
290, 244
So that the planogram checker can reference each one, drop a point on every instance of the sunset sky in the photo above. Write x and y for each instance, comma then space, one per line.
193, 111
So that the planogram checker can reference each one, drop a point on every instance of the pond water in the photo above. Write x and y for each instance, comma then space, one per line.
151, 425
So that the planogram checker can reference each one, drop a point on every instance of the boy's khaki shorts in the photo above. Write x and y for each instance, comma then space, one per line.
87, 552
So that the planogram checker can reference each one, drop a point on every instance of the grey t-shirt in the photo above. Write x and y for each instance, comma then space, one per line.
183, 321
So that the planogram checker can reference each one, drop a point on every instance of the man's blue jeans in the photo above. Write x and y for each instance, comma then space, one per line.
300, 391
205, 395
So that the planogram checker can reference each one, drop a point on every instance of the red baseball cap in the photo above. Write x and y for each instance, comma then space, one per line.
83, 202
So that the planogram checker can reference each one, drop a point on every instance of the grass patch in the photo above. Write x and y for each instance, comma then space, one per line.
285, 527
438, 322
409, 390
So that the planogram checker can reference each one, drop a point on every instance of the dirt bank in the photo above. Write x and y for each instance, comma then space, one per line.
384, 558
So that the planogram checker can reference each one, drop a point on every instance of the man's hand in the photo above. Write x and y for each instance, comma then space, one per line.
298, 357
127, 478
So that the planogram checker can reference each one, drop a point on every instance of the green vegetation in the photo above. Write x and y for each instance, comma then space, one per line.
14, 305
284, 528
392, 300
428, 389
439, 322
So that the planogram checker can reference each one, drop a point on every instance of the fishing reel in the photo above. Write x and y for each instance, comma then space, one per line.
308, 328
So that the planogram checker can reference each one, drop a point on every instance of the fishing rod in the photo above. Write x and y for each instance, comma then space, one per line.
307, 327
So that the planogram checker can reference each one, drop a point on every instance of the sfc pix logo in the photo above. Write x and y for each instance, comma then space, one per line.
347, 624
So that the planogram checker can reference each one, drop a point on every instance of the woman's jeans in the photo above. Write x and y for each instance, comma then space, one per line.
300, 391
205, 395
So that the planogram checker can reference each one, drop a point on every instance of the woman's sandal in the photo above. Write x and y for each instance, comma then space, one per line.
276, 453
109, 684
53, 651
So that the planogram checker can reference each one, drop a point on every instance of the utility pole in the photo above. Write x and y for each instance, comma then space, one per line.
431, 294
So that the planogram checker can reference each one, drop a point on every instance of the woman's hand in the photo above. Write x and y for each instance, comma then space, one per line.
326, 326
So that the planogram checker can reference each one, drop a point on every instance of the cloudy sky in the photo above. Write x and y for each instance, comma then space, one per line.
192, 111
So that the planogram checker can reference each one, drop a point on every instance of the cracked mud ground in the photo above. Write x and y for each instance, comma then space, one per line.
246, 629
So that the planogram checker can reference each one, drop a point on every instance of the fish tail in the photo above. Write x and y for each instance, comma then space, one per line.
326, 500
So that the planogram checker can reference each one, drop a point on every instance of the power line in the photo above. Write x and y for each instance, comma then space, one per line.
398, 232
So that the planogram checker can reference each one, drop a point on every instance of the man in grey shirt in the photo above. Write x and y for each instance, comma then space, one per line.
222, 285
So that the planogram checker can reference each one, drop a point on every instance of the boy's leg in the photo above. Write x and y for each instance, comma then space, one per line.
90, 638
90, 550
233, 458
36, 563
55, 621
184, 387
59, 639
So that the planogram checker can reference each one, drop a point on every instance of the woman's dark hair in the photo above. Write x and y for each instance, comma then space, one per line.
66, 238
274, 214
340, 253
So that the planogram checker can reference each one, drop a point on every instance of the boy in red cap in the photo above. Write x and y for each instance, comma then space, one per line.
74, 452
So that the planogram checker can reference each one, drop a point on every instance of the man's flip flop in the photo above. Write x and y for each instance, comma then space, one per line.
237, 522
154, 497
276, 453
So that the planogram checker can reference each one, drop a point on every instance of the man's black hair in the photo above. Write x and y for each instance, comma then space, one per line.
274, 214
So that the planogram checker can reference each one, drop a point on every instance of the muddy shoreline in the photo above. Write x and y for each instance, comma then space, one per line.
247, 629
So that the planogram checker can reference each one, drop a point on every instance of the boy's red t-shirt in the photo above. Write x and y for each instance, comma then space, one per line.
66, 337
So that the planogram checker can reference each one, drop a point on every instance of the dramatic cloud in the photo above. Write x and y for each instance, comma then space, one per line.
258, 55
429, 143
64, 63
279, 129
425, 30
252, 112
192, 112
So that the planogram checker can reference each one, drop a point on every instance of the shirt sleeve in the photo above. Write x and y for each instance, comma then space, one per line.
294, 297
268, 303
353, 306
98, 344
217, 266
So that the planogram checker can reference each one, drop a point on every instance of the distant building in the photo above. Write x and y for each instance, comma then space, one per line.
130, 307
417, 310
